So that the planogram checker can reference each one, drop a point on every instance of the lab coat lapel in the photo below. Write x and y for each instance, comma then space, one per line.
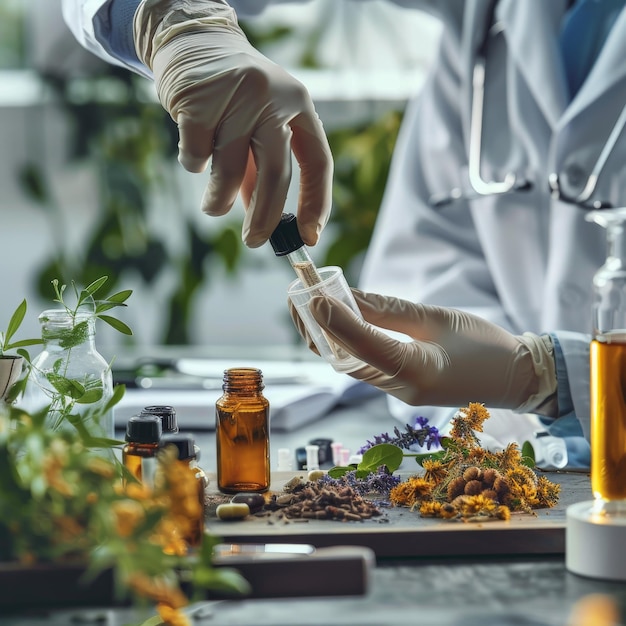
531, 29
608, 70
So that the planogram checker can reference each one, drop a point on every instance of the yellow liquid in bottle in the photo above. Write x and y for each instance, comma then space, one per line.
242, 449
608, 417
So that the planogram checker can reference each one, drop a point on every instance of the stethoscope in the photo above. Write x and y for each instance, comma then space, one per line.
511, 182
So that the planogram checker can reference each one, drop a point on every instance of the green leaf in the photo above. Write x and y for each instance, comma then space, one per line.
95, 285
66, 386
117, 324
340, 470
429, 456
90, 396
26, 342
106, 306
16, 389
118, 393
386, 454
102, 442
223, 579
528, 454
16, 320
120, 296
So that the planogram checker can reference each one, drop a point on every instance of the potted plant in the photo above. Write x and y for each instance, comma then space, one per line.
11, 364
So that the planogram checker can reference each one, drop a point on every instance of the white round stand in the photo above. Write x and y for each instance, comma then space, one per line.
595, 544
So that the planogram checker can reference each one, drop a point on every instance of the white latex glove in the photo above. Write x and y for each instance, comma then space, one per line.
454, 358
230, 102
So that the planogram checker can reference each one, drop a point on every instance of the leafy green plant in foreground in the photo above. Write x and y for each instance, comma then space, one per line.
15, 322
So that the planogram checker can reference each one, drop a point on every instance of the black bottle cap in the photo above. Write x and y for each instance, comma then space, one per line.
167, 414
143, 429
184, 443
286, 238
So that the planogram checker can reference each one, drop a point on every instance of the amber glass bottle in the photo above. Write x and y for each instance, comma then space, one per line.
143, 433
186, 485
242, 433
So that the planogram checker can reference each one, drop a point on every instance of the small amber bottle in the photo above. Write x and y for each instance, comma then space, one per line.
186, 487
242, 433
139, 455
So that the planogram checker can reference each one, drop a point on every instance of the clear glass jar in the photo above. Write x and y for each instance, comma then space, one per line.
242, 433
70, 375
608, 370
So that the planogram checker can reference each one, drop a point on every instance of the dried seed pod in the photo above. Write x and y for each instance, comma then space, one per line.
473, 487
501, 487
456, 488
472, 473
489, 476
492, 494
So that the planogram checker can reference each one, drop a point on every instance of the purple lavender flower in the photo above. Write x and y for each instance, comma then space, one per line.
379, 482
420, 433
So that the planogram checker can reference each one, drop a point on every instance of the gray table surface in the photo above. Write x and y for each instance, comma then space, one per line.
519, 590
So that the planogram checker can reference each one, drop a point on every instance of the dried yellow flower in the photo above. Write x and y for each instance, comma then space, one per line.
128, 515
434, 470
472, 483
411, 491
172, 617
158, 589
100, 466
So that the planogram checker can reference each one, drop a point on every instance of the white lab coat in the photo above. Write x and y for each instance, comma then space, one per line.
522, 260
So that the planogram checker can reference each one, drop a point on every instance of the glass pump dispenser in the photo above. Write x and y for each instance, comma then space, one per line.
595, 540
608, 369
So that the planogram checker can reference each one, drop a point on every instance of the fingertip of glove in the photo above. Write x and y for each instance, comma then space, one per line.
195, 165
310, 233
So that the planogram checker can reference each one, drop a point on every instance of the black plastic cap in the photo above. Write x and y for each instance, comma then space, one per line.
143, 429
167, 414
185, 444
286, 238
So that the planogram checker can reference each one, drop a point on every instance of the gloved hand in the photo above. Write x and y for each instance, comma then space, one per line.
232, 104
454, 358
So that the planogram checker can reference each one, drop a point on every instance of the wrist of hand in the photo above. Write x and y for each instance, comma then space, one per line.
543, 398
158, 21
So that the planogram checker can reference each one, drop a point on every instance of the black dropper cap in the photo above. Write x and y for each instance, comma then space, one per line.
286, 238
184, 443
143, 429
167, 414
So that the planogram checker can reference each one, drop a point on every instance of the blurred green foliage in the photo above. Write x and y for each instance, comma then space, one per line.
12, 35
362, 157
131, 144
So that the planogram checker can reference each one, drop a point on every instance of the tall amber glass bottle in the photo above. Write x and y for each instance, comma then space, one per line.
608, 369
242, 433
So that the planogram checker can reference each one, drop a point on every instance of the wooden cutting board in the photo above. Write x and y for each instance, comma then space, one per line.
400, 532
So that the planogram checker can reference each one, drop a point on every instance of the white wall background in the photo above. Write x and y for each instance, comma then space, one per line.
376, 55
